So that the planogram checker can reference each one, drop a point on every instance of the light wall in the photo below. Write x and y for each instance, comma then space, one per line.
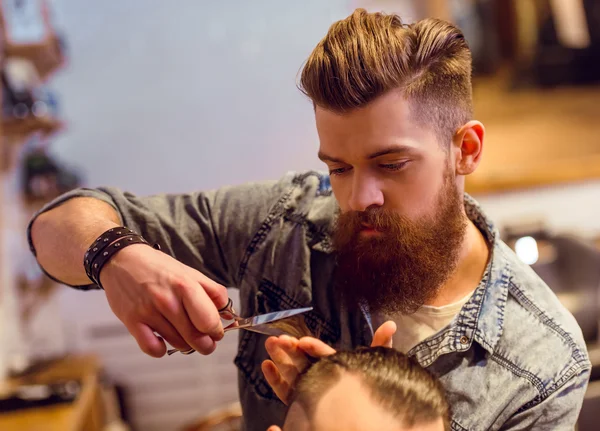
190, 96
569, 208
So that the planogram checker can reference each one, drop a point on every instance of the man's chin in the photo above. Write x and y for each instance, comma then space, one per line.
388, 282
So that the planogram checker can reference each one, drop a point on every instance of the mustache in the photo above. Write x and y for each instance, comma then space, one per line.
376, 218
349, 225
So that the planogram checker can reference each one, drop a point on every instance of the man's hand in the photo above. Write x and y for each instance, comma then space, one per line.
289, 357
149, 292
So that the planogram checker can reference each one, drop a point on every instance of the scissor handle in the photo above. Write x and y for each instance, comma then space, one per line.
228, 307
187, 352
226, 312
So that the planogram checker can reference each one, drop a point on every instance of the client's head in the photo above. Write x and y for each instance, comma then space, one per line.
367, 389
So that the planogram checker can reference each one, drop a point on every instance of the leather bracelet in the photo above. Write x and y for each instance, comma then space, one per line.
103, 258
101, 243
104, 248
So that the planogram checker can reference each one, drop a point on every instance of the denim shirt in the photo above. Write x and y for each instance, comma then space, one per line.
512, 359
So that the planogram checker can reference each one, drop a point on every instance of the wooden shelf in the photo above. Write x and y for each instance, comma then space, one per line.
535, 137
15, 132
46, 56
14, 129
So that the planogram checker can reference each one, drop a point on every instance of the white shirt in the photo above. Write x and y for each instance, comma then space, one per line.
422, 324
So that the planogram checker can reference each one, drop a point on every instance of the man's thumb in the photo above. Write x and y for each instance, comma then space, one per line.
384, 334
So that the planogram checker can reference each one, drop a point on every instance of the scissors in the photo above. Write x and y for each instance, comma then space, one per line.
259, 323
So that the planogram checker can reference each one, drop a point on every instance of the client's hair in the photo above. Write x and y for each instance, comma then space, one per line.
294, 326
398, 383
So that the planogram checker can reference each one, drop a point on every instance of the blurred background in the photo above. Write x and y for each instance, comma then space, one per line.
154, 96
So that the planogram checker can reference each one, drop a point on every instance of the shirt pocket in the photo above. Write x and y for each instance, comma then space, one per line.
251, 348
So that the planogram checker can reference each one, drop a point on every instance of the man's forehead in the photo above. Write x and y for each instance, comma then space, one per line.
350, 405
366, 131
375, 120
389, 111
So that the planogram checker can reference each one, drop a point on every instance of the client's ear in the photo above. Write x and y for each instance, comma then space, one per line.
274, 428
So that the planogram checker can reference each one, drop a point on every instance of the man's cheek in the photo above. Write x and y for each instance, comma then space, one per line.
341, 195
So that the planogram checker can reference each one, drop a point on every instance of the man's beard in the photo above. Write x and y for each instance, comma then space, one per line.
406, 263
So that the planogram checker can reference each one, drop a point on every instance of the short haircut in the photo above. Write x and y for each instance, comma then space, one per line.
369, 54
396, 382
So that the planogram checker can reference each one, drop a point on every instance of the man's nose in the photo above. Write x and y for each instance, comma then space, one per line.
366, 193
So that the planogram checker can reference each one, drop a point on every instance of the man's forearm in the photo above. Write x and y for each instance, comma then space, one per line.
62, 235
207, 231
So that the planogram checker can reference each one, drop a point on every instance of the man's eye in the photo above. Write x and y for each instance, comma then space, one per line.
338, 171
394, 166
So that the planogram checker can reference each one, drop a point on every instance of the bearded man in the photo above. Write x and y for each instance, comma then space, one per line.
389, 234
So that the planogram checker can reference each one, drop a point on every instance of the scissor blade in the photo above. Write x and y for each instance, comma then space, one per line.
261, 324
267, 329
264, 319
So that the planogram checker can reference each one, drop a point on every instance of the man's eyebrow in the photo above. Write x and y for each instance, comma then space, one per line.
395, 149
325, 158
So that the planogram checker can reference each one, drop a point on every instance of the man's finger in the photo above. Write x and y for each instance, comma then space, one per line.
201, 343
277, 383
384, 334
202, 312
162, 326
297, 355
216, 292
315, 347
149, 343
178, 318
284, 352
204, 345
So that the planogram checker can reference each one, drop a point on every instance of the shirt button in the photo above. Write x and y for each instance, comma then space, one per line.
464, 339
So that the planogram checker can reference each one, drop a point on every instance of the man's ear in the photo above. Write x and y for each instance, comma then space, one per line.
274, 428
468, 146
